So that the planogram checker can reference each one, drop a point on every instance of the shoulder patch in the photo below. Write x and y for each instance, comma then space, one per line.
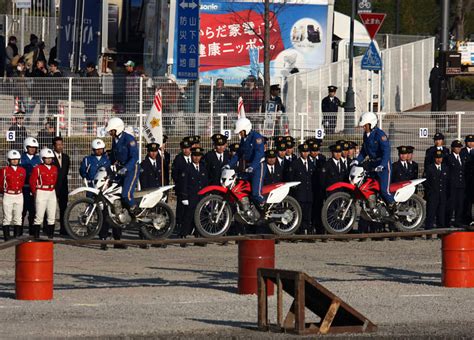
384, 138
133, 143
259, 140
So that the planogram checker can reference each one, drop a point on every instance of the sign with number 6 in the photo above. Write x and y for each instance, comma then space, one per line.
11, 136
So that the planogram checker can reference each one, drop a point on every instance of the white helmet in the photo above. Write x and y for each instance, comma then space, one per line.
116, 124
31, 142
368, 118
13, 154
46, 153
97, 144
243, 124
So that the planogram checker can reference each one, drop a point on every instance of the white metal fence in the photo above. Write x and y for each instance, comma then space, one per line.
81, 107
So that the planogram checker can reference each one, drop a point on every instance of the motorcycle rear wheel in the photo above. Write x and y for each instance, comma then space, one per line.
418, 205
332, 212
165, 223
291, 205
75, 218
205, 213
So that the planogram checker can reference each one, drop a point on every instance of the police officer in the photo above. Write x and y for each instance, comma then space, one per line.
194, 178
412, 165
301, 170
329, 107
251, 153
345, 160
318, 159
274, 173
352, 150
151, 174
217, 158
29, 159
124, 156
20, 130
62, 162
457, 184
467, 154
88, 169
400, 168
290, 149
438, 140
42, 184
436, 187
275, 92
332, 171
376, 146
233, 148
179, 164
12, 179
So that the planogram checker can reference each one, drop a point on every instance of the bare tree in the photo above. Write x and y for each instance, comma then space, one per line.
269, 16
462, 7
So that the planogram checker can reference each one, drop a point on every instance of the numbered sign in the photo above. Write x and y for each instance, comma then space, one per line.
226, 133
424, 133
11, 136
319, 133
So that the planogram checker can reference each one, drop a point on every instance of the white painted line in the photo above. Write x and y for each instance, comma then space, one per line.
421, 295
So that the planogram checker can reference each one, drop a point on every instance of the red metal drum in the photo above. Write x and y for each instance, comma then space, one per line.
34, 271
254, 254
458, 260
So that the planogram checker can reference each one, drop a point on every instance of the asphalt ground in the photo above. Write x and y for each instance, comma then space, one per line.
190, 293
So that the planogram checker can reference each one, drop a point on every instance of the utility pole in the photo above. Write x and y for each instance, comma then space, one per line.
266, 52
444, 48
349, 106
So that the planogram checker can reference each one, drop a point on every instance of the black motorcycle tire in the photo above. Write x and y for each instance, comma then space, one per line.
421, 219
324, 213
169, 228
197, 217
278, 231
69, 228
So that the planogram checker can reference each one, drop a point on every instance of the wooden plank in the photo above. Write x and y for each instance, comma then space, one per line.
289, 322
330, 315
299, 304
279, 301
262, 302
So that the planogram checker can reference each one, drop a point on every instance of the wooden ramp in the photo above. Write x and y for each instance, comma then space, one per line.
336, 315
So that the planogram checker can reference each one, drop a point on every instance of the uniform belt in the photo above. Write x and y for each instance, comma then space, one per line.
45, 187
13, 192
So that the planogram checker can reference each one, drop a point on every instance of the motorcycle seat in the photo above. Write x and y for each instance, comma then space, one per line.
395, 186
140, 194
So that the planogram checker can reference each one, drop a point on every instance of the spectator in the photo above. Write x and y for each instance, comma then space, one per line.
32, 46
46, 135
53, 52
132, 93
252, 96
170, 93
40, 89
329, 106
224, 99
91, 93
11, 54
52, 100
20, 87
19, 129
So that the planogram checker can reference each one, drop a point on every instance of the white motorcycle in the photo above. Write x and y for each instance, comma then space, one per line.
85, 216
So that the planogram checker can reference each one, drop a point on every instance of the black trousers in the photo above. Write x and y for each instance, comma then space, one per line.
307, 210
435, 212
62, 196
316, 220
187, 223
104, 231
456, 205
28, 208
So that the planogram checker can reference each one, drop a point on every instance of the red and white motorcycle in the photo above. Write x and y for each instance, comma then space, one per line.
340, 209
216, 210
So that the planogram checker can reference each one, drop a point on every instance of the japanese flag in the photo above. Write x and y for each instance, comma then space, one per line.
153, 125
240, 108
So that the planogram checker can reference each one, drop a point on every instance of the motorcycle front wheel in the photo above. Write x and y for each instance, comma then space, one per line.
163, 222
291, 220
213, 216
339, 213
83, 219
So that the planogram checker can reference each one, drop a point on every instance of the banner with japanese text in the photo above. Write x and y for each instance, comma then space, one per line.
231, 31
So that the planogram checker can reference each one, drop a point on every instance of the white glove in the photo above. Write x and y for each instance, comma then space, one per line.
249, 170
379, 168
355, 162
185, 202
225, 167
122, 172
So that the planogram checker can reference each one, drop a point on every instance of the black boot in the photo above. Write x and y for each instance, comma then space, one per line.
103, 246
50, 231
6, 232
36, 231
18, 231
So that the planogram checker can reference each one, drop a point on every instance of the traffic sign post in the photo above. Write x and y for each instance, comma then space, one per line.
187, 66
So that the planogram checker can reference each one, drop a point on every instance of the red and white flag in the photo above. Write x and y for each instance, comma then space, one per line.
240, 109
153, 125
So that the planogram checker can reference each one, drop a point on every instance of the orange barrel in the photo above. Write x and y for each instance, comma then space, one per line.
254, 254
34, 271
458, 260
